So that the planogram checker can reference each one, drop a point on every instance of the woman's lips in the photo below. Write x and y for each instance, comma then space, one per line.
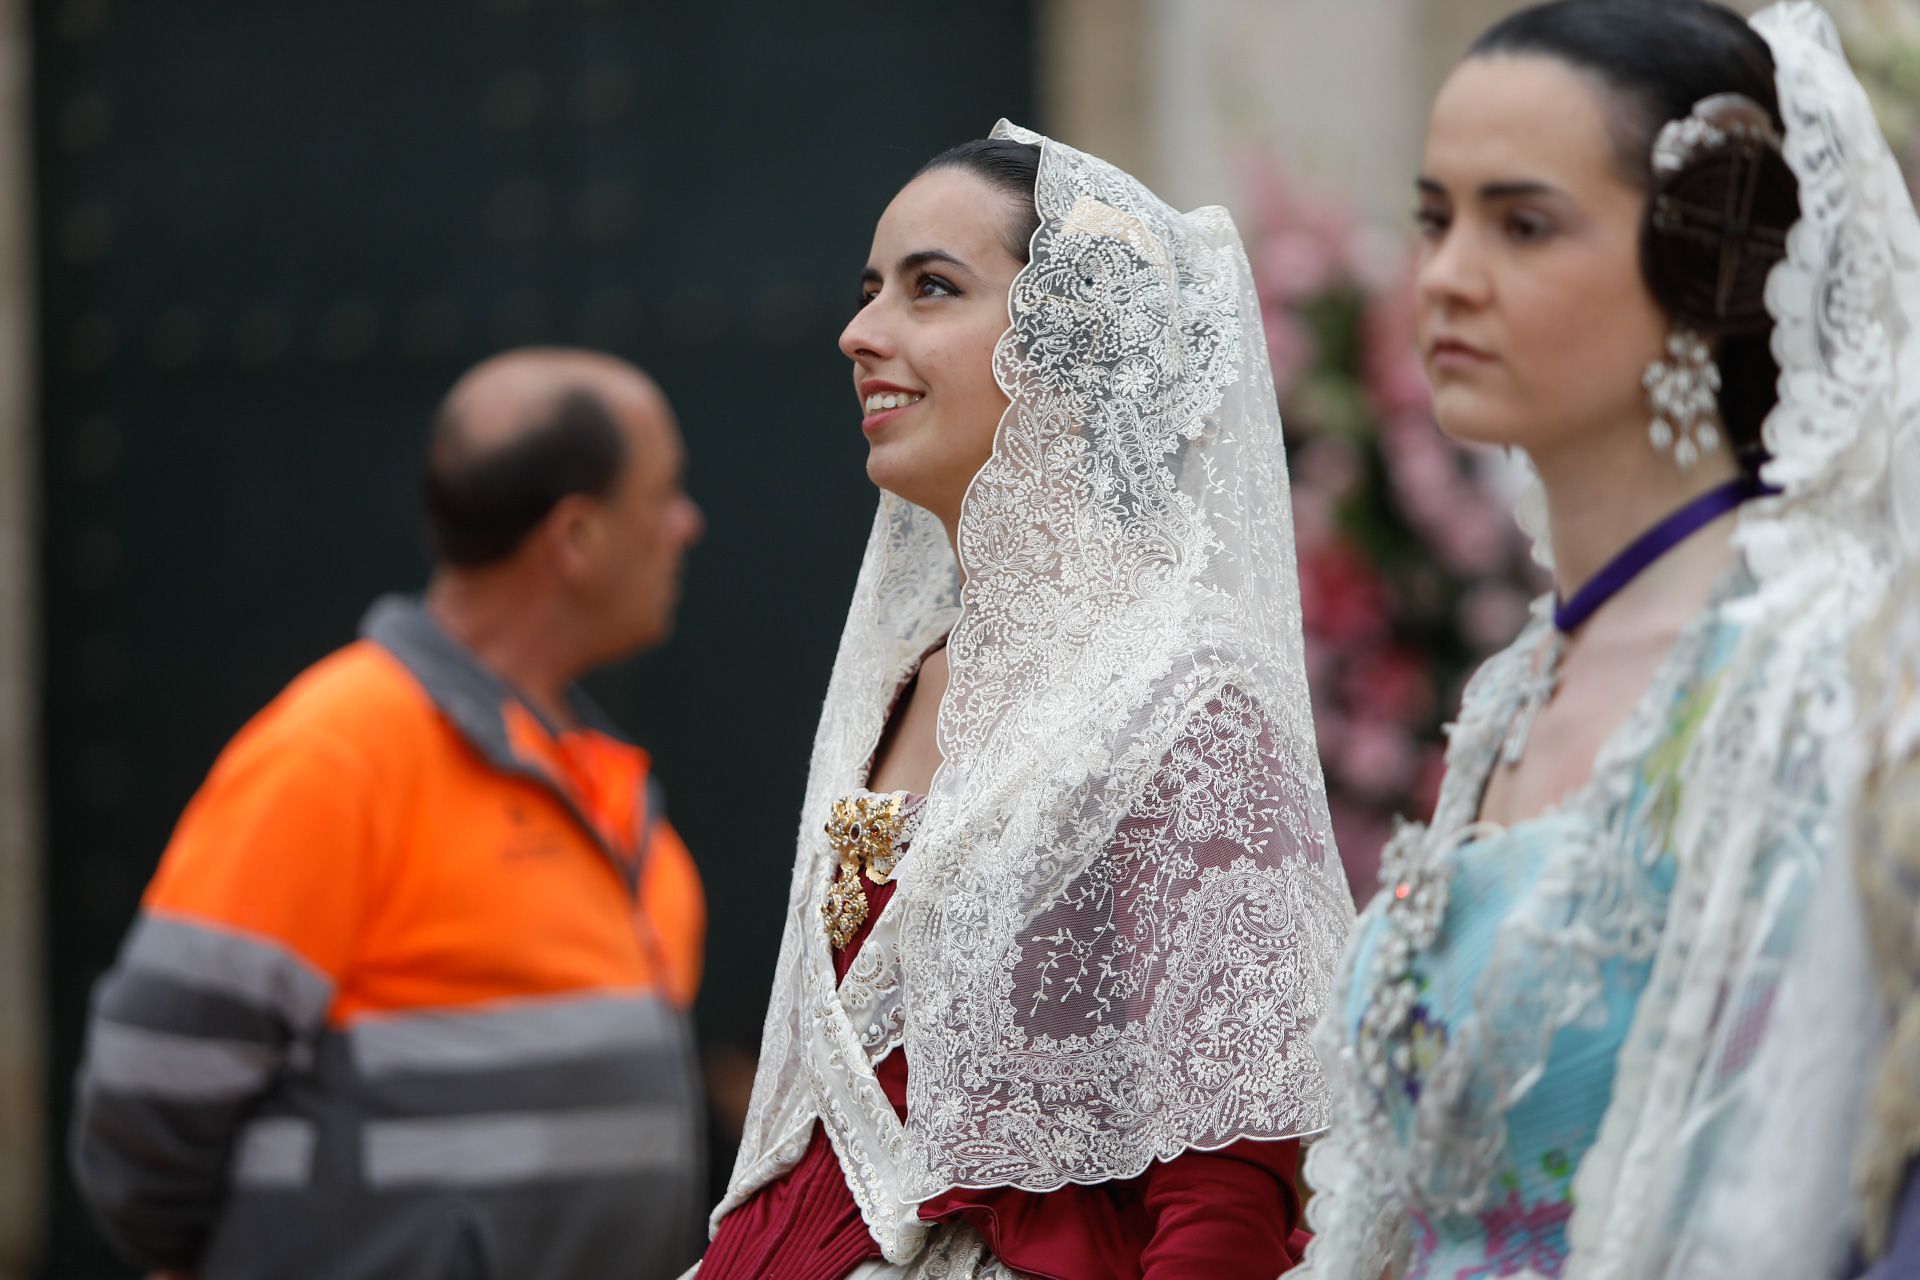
1453, 354
874, 421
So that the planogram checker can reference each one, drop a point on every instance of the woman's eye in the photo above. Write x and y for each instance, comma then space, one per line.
1432, 223
866, 296
1527, 228
932, 286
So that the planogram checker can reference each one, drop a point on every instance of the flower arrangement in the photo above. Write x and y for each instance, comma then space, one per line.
1411, 566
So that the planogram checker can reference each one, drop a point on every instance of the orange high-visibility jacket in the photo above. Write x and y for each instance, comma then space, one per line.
406, 996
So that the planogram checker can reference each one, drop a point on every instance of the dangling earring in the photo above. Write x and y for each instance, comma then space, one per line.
1685, 391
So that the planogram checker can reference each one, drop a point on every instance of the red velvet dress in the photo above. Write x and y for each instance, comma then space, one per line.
1219, 1215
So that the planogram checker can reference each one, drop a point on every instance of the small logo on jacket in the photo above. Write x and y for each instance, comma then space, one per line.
529, 838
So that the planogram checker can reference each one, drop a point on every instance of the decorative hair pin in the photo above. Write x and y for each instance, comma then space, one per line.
1723, 202
1713, 124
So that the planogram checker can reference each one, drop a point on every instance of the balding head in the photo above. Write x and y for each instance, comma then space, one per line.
520, 432
555, 498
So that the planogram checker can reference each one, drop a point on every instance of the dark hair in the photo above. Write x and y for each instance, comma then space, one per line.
1660, 58
481, 505
1007, 166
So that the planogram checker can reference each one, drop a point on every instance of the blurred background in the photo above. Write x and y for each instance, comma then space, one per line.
245, 247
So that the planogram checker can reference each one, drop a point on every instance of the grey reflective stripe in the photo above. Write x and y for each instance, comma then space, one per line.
471, 1151
523, 1033
247, 967
155, 1064
276, 1152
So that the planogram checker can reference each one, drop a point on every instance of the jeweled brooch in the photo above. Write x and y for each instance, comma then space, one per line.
864, 831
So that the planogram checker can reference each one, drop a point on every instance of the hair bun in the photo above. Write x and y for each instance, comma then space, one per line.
1723, 202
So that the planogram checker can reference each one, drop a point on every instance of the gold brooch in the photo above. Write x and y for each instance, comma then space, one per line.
865, 831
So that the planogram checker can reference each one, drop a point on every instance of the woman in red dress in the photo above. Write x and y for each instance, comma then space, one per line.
1065, 905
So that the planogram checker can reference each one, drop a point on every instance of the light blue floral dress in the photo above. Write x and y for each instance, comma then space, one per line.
1489, 988
1522, 1223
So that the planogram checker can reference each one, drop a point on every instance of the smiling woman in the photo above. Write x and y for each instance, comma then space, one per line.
933, 302
1065, 903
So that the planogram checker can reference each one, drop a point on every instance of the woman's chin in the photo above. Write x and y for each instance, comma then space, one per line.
895, 468
891, 467
1469, 420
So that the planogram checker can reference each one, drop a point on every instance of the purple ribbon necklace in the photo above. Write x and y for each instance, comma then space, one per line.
1613, 577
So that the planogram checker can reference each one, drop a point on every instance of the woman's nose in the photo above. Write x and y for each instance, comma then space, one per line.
866, 334
1451, 270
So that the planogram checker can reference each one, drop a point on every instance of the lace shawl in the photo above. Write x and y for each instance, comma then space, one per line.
1887, 864
1123, 907
1760, 804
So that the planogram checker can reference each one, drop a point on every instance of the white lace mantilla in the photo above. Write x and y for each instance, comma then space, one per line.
1122, 909
1717, 1155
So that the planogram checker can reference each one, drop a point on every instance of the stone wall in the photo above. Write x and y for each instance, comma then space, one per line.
1184, 92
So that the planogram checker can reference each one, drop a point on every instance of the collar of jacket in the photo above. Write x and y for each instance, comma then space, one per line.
473, 698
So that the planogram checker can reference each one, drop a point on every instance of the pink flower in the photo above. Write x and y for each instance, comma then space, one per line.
1315, 521
1377, 760
1390, 357
1390, 683
1342, 597
1436, 490
1424, 468
1491, 614
1424, 794
1302, 244
1359, 832
1293, 264
1321, 661
1330, 465
1523, 1237
1291, 349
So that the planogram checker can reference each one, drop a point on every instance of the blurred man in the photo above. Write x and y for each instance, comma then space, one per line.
407, 995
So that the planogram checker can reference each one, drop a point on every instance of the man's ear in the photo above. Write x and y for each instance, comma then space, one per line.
571, 537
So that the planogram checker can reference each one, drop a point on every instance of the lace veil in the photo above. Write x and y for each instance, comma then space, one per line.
1783, 1198
1122, 907
1725, 1145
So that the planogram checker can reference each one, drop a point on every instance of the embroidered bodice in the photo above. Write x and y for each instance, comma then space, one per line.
1493, 878
1490, 986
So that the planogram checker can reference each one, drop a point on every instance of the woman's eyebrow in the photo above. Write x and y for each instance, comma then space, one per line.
914, 261
1506, 189
1515, 188
924, 256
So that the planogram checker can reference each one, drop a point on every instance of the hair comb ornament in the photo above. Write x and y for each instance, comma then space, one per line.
1716, 122
1723, 201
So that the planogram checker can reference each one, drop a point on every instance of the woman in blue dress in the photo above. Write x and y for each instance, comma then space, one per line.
1668, 259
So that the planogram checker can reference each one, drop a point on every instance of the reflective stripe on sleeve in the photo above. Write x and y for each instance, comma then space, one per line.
487, 1150
156, 1064
520, 1034
274, 1153
246, 967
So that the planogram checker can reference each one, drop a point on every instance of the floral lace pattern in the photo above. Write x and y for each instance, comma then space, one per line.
1191, 947
1123, 907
